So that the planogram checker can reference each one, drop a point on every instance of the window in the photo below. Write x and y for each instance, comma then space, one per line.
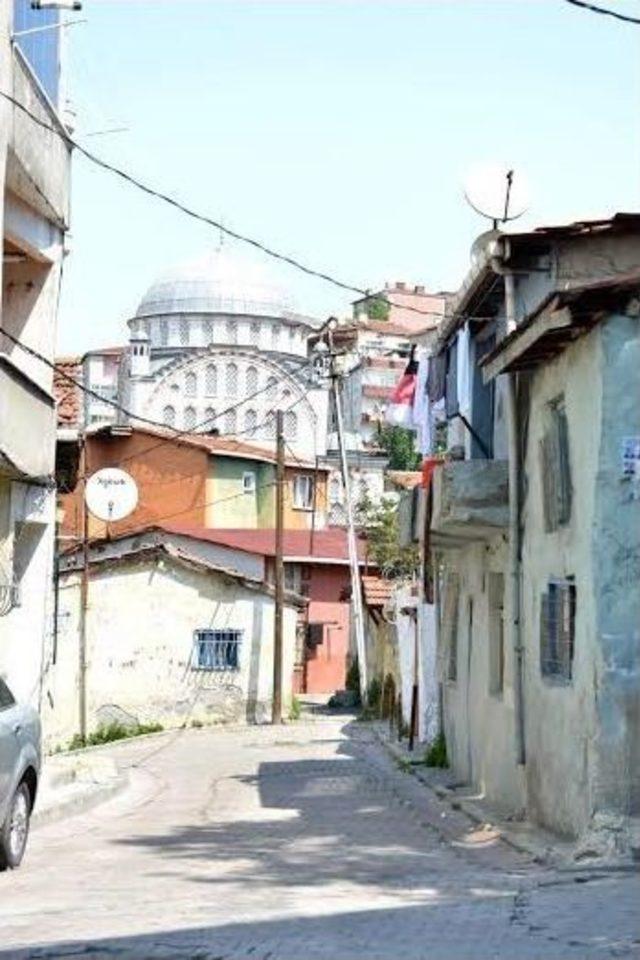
254, 334
335, 490
275, 334
270, 426
230, 422
190, 418
557, 629
450, 623
292, 334
208, 332
250, 422
303, 492
169, 416
231, 380
42, 48
231, 331
555, 468
305, 580
209, 416
252, 381
190, 384
216, 650
6, 697
248, 482
164, 334
290, 425
272, 388
211, 380
184, 333
496, 633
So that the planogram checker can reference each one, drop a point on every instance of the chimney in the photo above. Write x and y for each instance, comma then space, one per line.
400, 285
419, 288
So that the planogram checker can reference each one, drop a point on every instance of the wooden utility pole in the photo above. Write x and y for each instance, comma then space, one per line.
84, 603
276, 716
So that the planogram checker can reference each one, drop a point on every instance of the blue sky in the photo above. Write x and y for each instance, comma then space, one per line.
339, 133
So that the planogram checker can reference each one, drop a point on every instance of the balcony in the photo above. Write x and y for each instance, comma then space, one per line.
470, 502
27, 425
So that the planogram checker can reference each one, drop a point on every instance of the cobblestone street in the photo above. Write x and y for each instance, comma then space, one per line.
303, 841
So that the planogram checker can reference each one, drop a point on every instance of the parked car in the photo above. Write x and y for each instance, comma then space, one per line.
20, 755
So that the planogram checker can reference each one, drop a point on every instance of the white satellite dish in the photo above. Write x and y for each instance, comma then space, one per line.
111, 494
497, 191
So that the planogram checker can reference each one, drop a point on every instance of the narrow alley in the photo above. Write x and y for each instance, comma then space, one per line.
299, 841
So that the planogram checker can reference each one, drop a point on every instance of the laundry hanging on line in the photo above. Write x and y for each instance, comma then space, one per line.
399, 410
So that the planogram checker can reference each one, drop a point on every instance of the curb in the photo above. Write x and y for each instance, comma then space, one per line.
82, 802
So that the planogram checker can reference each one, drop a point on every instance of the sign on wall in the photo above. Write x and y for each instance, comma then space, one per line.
111, 494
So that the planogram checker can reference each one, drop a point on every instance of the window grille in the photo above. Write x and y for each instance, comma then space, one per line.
210, 416
270, 426
169, 416
254, 334
190, 384
248, 482
451, 610
231, 380
303, 492
250, 422
216, 649
252, 381
190, 418
230, 422
272, 388
290, 425
557, 629
555, 469
184, 333
496, 633
211, 380
232, 331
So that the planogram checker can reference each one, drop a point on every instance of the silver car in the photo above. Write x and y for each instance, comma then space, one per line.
19, 773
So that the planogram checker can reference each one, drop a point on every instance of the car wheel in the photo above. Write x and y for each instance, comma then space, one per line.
15, 830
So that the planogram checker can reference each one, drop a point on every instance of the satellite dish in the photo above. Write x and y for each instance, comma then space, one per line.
497, 191
111, 494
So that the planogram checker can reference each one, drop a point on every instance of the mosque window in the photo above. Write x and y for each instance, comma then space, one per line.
272, 388
231, 380
230, 422
252, 380
169, 416
191, 384
164, 333
270, 426
211, 380
232, 331
292, 334
275, 334
250, 422
189, 418
290, 425
208, 332
209, 416
254, 334
184, 333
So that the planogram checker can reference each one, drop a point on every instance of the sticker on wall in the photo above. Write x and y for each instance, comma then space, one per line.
631, 458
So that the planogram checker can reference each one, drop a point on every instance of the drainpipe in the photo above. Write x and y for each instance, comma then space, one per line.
498, 266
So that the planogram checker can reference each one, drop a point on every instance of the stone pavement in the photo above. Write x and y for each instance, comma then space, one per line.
305, 841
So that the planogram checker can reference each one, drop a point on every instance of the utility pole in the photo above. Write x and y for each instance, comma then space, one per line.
356, 585
84, 603
276, 715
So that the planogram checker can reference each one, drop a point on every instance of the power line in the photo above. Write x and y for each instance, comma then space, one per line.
605, 12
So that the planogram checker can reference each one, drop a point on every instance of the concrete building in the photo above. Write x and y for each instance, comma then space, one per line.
202, 647
34, 214
539, 537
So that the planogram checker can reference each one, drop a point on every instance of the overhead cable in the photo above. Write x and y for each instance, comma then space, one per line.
604, 11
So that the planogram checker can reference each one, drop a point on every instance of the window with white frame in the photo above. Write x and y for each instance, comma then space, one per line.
303, 492
251, 381
184, 333
248, 482
272, 388
216, 650
164, 333
254, 334
169, 416
250, 422
211, 380
190, 384
290, 425
231, 329
275, 334
230, 422
190, 418
270, 426
231, 380
208, 332
209, 416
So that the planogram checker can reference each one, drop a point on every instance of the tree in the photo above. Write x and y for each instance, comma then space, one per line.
377, 308
380, 523
398, 443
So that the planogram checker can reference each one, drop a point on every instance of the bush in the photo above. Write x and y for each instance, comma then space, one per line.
352, 682
374, 695
295, 709
111, 732
436, 755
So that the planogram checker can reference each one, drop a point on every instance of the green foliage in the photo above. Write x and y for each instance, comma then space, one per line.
295, 710
436, 755
352, 681
377, 308
398, 444
380, 522
110, 732
374, 695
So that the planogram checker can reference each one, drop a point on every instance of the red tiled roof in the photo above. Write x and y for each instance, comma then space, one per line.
323, 545
377, 591
67, 395
408, 479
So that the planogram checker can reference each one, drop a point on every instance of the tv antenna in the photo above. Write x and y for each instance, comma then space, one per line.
497, 192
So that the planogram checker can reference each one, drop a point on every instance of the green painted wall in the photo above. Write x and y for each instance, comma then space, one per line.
238, 509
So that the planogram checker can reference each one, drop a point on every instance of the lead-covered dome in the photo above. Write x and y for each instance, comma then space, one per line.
220, 282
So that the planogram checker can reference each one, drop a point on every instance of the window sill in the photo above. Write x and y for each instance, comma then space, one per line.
302, 509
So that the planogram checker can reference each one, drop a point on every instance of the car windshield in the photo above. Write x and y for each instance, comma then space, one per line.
6, 697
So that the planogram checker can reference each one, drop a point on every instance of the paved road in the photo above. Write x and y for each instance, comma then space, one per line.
302, 843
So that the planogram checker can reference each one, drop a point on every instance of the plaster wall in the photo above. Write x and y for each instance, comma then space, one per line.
146, 674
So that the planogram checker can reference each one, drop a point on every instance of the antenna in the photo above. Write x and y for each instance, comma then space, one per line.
497, 192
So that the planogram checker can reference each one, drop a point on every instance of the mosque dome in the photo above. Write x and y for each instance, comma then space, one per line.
220, 282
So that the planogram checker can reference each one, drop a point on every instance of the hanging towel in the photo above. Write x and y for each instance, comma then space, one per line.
421, 397
399, 411
464, 372
437, 376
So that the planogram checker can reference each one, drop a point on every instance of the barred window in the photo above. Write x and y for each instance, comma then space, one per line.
250, 422
290, 425
184, 333
169, 416
254, 334
209, 416
216, 649
211, 380
496, 633
252, 380
557, 629
270, 426
231, 380
230, 422
555, 468
190, 384
272, 388
450, 623
232, 331
189, 418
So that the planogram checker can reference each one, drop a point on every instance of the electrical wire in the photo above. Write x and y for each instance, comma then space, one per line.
605, 12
